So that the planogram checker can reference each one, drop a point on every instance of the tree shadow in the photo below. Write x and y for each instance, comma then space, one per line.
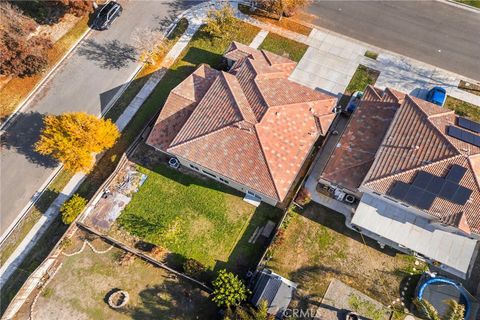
172, 299
112, 54
174, 9
22, 135
43, 12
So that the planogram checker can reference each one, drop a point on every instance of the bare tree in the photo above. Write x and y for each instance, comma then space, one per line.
149, 43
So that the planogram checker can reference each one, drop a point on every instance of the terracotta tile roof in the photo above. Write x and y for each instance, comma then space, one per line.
355, 152
251, 125
418, 141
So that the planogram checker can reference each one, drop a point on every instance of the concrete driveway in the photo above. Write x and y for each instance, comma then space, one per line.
87, 81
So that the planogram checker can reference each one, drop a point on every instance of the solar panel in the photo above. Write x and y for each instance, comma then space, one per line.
422, 179
464, 135
456, 173
448, 190
469, 124
399, 190
426, 200
435, 185
414, 195
462, 195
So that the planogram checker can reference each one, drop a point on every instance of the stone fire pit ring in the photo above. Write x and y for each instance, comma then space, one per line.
118, 299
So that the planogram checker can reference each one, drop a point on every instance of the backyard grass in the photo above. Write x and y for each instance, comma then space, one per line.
18, 88
285, 23
317, 247
196, 217
463, 108
81, 287
284, 47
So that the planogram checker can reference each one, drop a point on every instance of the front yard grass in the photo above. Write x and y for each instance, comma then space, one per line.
81, 286
196, 217
463, 108
362, 77
284, 47
317, 247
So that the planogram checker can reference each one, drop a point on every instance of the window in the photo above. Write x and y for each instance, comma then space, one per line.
223, 180
209, 173
194, 167
254, 195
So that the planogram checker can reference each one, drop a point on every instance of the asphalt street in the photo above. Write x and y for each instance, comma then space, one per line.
87, 81
429, 31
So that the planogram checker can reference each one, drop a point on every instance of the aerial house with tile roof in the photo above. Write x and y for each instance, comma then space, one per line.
250, 127
416, 167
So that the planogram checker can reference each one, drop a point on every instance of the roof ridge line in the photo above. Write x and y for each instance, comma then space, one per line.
437, 130
266, 161
235, 99
201, 136
414, 169
469, 160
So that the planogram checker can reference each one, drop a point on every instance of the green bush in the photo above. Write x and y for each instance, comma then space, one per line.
72, 208
228, 290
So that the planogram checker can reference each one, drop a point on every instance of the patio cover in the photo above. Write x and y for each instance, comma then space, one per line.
455, 252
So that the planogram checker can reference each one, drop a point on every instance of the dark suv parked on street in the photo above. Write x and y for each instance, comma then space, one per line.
106, 15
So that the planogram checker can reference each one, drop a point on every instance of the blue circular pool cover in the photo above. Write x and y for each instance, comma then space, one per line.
438, 290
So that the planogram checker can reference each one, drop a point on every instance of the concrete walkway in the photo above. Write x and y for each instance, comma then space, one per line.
257, 41
195, 18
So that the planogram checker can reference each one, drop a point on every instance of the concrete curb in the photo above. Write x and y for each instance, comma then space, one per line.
39, 85
460, 5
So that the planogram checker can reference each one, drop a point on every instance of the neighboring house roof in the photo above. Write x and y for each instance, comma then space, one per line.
275, 290
355, 152
391, 138
249, 120
418, 142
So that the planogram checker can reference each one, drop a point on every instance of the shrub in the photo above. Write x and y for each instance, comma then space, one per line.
193, 268
228, 290
72, 208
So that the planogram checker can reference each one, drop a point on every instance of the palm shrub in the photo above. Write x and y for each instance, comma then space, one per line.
228, 290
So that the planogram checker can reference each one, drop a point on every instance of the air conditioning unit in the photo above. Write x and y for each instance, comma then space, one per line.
349, 199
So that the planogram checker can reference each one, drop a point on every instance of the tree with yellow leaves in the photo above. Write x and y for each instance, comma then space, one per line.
73, 139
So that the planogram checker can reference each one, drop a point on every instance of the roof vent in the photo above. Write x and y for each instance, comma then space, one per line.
415, 147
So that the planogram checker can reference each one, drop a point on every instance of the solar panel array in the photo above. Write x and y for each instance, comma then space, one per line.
469, 124
426, 187
464, 135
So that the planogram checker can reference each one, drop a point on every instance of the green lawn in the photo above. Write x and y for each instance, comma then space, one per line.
284, 47
362, 77
473, 3
463, 108
196, 217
